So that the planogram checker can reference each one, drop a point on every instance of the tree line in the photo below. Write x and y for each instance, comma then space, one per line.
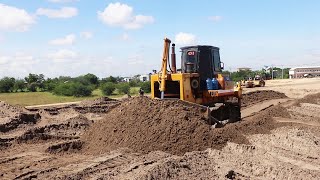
70, 86
85, 84
277, 74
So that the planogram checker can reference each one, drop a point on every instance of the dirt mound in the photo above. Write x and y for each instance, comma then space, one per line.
18, 120
5, 143
70, 129
65, 147
173, 126
255, 97
100, 105
11, 117
5, 108
99, 101
312, 98
7, 111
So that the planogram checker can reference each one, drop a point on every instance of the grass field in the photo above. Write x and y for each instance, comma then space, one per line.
37, 98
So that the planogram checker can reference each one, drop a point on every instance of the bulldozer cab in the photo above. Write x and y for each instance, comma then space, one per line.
204, 60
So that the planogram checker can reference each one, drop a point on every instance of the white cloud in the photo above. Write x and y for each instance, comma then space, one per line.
62, 55
121, 15
64, 12
4, 59
12, 18
138, 58
124, 37
215, 18
185, 39
69, 62
86, 35
68, 40
62, 1
17, 65
19, 60
24, 57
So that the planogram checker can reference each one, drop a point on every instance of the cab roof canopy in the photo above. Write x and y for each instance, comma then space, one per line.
199, 47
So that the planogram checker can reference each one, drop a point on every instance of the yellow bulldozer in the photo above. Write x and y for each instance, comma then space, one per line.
250, 82
199, 81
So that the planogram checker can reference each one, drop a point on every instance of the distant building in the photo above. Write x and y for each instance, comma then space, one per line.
300, 72
243, 69
127, 79
144, 78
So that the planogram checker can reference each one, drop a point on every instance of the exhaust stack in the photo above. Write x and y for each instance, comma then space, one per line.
173, 59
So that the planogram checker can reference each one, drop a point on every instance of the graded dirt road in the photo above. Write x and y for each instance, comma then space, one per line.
293, 88
140, 138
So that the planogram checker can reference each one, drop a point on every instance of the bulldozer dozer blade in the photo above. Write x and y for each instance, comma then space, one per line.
227, 113
217, 116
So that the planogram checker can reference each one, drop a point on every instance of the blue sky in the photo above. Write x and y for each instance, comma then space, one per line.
74, 37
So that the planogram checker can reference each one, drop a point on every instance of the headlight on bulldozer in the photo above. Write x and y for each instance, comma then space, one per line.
194, 83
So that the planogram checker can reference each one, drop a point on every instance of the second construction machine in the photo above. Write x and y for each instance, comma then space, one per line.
199, 81
257, 81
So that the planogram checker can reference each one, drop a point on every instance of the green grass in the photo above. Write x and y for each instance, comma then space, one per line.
37, 98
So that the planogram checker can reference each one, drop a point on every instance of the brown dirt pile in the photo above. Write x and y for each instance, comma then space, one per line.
312, 98
98, 101
100, 105
7, 111
255, 97
146, 125
12, 117
65, 147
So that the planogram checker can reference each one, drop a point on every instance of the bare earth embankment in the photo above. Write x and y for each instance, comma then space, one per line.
140, 138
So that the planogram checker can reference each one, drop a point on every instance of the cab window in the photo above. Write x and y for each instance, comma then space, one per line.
216, 60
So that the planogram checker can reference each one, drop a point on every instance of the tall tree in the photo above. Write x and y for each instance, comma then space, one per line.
93, 79
19, 85
6, 84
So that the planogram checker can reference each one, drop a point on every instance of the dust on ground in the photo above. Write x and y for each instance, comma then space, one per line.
293, 88
140, 138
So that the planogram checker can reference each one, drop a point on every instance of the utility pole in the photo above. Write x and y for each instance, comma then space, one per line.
272, 72
282, 71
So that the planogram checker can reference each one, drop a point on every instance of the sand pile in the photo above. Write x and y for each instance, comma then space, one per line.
100, 105
7, 110
255, 97
13, 116
146, 125
311, 98
98, 101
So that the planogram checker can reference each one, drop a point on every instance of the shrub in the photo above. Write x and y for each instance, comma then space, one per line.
63, 89
19, 85
72, 89
123, 88
32, 87
134, 83
108, 88
6, 84
80, 90
49, 85
146, 86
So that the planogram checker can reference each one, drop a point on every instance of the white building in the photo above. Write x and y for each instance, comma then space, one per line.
144, 78
127, 79
300, 72
243, 69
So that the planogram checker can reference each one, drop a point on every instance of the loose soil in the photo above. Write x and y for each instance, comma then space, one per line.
255, 97
172, 126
